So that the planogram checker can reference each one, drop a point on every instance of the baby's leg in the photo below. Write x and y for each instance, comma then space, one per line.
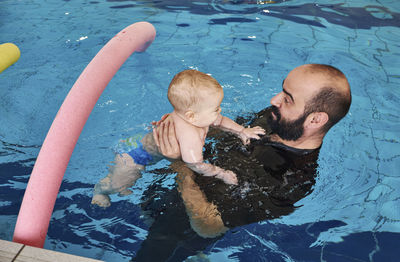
149, 144
122, 175
126, 170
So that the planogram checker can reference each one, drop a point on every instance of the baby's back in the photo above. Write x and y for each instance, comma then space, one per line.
190, 137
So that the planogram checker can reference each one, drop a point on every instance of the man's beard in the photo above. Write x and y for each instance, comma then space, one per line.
287, 130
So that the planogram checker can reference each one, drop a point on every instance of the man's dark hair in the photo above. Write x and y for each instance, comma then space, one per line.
330, 99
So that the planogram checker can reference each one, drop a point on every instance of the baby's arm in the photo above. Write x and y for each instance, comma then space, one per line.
210, 170
244, 134
191, 147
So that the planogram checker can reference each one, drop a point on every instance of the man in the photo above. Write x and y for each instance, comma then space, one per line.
273, 172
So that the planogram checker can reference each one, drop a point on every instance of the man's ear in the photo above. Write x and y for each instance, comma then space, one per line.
317, 120
190, 116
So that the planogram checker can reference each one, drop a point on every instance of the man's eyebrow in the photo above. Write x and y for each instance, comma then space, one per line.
286, 92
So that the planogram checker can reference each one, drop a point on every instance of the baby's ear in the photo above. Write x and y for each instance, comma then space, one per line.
190, 116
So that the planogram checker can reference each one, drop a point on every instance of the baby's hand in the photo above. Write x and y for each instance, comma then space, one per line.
228, 177
251, 132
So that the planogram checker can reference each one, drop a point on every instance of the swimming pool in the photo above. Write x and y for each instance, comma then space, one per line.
353, 212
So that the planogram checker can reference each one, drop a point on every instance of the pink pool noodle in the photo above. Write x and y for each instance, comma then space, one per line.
44, 183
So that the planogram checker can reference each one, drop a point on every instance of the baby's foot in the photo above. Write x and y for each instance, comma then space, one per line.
101, 200
104, 187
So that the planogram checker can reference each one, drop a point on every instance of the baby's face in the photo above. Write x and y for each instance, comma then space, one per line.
208, 110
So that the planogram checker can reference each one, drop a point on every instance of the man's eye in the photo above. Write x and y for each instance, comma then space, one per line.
286, 100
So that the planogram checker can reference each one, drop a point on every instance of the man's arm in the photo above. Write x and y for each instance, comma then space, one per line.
204, 217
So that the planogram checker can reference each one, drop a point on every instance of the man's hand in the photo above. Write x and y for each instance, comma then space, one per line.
157, 123
251, 132
165, 138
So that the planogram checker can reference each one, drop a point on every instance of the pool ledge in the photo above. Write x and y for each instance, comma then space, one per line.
16, 252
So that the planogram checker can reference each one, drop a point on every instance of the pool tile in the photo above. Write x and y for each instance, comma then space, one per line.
8, 250
16, 252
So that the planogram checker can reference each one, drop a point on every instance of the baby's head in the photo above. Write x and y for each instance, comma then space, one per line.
196, 96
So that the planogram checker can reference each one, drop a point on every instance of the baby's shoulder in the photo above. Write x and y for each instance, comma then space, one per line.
184, 127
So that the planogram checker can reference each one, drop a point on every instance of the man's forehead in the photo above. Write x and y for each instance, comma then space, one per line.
301, 85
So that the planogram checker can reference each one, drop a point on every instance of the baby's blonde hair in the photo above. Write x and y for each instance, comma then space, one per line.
188, 88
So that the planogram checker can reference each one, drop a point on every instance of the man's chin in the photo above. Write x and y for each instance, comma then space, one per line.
285, 133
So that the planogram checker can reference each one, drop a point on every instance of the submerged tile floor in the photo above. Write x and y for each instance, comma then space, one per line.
16, 252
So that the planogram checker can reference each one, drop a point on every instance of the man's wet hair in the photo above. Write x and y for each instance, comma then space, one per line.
334, 100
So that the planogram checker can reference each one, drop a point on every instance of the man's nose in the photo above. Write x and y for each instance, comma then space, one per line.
277, 100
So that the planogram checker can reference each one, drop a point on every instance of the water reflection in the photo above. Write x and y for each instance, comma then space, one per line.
123, 227
310, 14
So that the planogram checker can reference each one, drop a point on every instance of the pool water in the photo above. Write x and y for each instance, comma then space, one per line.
353, 213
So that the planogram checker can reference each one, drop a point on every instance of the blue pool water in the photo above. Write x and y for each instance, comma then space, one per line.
353, 213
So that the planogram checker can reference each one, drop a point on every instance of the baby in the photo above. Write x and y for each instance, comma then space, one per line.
196, 98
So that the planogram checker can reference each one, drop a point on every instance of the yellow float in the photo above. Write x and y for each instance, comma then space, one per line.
9, 54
